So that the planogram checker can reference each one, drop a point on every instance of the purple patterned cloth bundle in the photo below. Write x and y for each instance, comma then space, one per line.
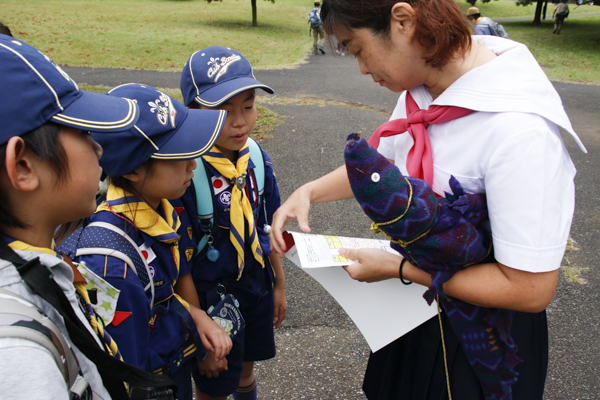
440, 236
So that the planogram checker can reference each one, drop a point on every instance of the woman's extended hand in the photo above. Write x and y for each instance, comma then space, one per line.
295, 207
331, 187
372, 265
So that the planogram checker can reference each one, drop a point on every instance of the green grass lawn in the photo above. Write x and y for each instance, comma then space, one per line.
159, 34
162, 34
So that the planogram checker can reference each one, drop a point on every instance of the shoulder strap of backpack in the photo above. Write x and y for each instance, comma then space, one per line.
259, 164
26, 321
204, 201
204, 197
114, 372
107, 239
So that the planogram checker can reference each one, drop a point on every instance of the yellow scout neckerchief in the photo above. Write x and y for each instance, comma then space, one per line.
240, 207
79, 282
144, 217
18, 245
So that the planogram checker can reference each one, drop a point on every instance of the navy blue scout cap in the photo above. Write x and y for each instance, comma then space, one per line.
166, 130
34, 90
215, 74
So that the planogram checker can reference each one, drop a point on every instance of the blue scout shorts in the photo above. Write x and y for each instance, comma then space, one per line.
255, 342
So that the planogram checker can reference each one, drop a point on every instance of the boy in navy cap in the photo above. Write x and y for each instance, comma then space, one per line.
238, 258
156, 317
49, 175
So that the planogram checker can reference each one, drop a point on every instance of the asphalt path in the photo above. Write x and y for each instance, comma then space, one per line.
321, 353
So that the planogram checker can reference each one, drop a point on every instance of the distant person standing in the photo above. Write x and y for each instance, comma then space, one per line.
561, 11
484, 25
314, 18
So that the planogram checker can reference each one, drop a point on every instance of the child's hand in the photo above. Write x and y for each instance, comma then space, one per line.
280, 304
210, 367
213, 337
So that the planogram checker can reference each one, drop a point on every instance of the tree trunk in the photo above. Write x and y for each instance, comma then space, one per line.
544, 11
254, 17
538, 12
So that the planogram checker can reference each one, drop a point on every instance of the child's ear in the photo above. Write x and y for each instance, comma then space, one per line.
20, 165
137, 175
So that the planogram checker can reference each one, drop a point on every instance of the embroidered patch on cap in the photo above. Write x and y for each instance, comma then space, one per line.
219, 68
165, 111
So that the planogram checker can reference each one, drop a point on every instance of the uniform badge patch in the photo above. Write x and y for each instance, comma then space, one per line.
225, 198
119, 317
189, 253
219, 184
148, 253
152, 322
189, 232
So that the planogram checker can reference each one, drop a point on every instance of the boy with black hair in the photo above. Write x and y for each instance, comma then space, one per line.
237, 259
49, 175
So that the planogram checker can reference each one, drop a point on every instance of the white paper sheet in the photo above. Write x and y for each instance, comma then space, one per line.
382, 311
322, 251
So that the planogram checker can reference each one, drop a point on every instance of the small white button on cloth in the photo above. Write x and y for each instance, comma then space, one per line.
375, 177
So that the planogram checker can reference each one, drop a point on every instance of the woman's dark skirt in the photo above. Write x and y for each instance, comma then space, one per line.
412, 367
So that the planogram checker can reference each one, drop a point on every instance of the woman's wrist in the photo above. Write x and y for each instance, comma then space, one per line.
307, 191
414, 274
400, 275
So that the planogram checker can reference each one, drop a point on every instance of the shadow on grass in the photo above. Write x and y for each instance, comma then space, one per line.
245, 25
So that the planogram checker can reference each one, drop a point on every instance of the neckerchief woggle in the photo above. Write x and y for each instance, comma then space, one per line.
240, 207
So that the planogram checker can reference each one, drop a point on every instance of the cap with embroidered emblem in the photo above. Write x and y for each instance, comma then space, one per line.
166, 130
215, 74
35, 91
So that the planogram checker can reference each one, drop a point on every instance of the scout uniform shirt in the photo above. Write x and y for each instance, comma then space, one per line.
150, 338
208, 274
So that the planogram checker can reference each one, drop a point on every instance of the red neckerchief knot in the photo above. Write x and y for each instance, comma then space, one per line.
419, 162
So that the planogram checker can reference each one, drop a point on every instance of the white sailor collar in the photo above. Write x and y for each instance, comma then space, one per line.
512, 82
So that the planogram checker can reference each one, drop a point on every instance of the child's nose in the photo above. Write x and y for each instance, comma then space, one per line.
96, 147
238, 120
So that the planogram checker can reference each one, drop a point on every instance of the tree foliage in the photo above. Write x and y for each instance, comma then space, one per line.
472, 2
254, 10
